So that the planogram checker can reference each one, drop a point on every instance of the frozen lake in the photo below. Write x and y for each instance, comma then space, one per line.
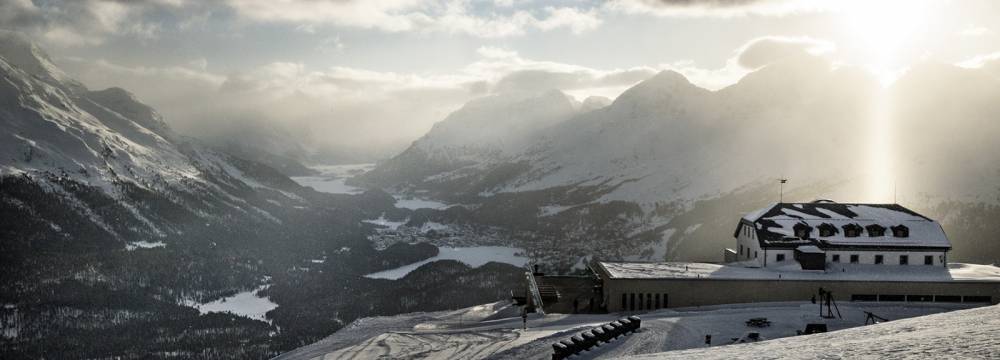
332, 177
245, 304
417, 203
473, 256
332, 180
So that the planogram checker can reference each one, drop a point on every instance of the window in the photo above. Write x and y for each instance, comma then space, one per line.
657, 297
904, 259
802, 230
928, 260
640, 307
826, 230
854, 259
900, 231
741, 249
891, 298
977, 299
875, 230
779, 257
755, 254
948, 298
624, 301
631, 301
665, 303
879, 259
649, 302
852, 230
863, 297
836, 258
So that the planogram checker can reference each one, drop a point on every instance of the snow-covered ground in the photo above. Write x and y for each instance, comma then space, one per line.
495, 331
473, 256
246, 304
332, 177
965, 334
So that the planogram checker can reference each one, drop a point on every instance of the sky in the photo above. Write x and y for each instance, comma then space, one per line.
377, 74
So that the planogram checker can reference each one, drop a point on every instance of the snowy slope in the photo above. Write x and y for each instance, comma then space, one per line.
59, 135
964, 334
484, 132
495, 331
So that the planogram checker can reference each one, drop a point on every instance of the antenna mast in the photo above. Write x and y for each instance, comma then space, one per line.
781, 189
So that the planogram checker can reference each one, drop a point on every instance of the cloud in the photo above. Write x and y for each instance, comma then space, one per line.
975, 31
718, 8
763, 51
340, 105
455, 16
988, 62
87, 22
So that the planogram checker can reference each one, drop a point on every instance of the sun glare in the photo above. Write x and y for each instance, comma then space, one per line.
884, 30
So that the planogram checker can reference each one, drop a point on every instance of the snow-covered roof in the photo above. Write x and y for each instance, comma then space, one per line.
809, 249
775, 226
837, 272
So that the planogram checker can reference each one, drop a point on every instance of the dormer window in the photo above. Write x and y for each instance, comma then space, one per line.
875, 230
852, 230
827, 230
802, 230
900, 231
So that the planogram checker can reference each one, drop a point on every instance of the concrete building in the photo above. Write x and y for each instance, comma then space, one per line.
635, 287
788, 252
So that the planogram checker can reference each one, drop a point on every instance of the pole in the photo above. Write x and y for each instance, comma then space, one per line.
781, 189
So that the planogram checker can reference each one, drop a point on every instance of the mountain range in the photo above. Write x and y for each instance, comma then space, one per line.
673, 166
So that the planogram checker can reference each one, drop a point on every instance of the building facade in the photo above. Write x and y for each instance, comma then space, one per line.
878, 234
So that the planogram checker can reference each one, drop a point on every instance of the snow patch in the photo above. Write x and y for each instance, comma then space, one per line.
144, 245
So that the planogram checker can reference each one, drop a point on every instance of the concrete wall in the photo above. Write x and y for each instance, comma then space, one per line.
699, 292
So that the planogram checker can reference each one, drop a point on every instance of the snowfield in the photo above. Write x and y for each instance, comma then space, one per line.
494, 331
965, 334
473, 256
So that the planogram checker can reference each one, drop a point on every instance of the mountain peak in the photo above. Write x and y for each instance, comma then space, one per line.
19, 51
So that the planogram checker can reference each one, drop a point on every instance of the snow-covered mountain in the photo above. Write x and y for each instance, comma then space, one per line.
484, 132
87, 148
685, 157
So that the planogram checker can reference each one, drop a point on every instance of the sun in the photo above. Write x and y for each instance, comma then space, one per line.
884, 30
